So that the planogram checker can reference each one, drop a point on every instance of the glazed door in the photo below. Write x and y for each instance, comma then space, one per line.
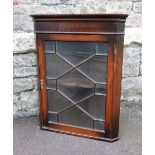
73, 73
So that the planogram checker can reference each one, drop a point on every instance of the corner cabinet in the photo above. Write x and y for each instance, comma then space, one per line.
79, 73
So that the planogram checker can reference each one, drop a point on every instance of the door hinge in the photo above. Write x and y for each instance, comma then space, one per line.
41, 84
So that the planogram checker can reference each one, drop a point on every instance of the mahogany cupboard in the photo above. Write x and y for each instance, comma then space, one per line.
80, 70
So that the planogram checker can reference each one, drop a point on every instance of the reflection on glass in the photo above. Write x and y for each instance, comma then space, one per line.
55, 66
74, 116
51, 84
99, 125
49, 46
100, 89
56, 102
52, 117
95, 106
101, 48
75, 52
95, 68
75, 86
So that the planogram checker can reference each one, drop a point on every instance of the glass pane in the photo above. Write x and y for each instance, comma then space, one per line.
52, 117
99, 125
75, 52
95, 68
85, 82
101, 48
56, 102
51, 84
55, 66
49, 46
100, 89
75, 86
74, 116
95, 106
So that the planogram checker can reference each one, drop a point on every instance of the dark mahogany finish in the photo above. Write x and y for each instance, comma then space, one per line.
98, 28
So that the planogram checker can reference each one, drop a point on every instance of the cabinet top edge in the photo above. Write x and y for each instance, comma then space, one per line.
79, 16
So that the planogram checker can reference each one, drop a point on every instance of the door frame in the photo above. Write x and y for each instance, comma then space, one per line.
110, 39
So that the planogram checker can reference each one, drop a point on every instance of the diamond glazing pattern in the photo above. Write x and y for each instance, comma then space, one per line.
76, 83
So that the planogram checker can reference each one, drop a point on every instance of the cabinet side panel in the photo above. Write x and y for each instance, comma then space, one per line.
110, 76
38, 80
118, 59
